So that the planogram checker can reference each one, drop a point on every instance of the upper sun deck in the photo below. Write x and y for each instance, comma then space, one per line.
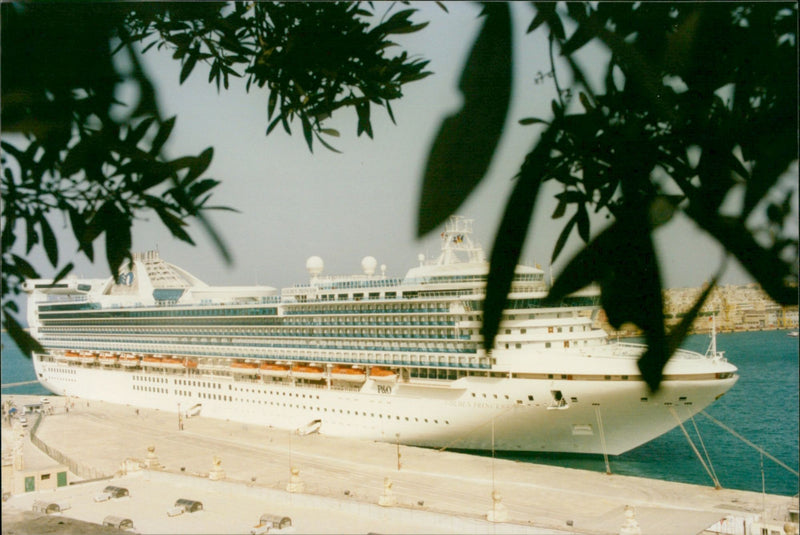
460, 265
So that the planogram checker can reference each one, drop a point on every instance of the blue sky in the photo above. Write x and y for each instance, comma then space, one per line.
294, 204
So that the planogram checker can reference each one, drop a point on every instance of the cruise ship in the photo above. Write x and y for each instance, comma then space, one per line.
366, 356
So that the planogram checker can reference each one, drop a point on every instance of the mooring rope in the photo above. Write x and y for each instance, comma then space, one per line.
703, 444
602, 438
691, 443
757, 448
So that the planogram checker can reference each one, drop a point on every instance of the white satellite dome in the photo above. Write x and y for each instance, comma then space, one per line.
314, 265
368, 264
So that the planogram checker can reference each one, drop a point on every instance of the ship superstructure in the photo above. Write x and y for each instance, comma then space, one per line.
366, 356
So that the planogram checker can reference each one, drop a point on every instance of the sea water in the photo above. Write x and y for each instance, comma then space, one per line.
762, 407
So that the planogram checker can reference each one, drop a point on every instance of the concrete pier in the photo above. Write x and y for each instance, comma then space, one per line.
343, 481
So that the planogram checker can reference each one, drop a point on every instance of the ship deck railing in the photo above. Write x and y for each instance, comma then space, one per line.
630, 349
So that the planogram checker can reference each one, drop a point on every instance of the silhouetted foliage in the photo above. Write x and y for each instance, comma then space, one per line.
101, 163
713, 79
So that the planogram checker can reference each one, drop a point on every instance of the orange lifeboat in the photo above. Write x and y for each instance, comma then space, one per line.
191, 364
244, 367
274, 370
88, 358
129, 361
151, 362
382, 375
172, 362
312, 373
353, 375
72, 356
108, 359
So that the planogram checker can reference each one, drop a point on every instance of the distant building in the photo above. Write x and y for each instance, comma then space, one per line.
736, 308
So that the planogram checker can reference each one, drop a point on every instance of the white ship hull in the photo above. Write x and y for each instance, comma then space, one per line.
366, 356
422, 414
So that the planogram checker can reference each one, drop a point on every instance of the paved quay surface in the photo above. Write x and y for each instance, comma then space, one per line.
436, 492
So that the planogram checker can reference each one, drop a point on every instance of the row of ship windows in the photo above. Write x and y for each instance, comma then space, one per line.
162, 313
396, 350
150, 379
62, 370
49, 311
153, 389
367, 321
305, 333
224, 397
380, 331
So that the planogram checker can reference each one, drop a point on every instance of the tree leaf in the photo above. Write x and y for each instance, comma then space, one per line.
532, 120
562, 238
191, 60
561, 208
63, 273
630, 283
49, 241
582, 35
174, 224
511, 236
31, 236
582, 217
164, 130
198, 166
24, 268
118, 239
466, 141
136, 134
26, 343
763, 264
307, 133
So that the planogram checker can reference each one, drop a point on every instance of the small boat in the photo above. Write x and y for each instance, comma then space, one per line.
129, 361
72, 356
354, 375
382, 375
152, 362
191, 364
88, 358
172, 362
793, 334
241, 366
312, 373
274, 370
108, 359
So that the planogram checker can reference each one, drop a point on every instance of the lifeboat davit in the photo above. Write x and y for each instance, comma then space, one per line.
353, 375
274, 370
312, 373
382, 375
